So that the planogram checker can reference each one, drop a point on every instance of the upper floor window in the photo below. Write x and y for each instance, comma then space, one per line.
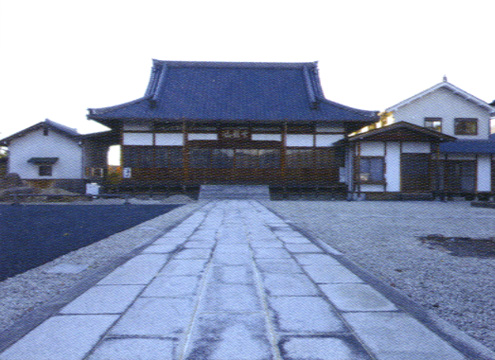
433, 123
466, 126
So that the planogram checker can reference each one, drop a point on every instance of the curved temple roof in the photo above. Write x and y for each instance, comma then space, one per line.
222, 91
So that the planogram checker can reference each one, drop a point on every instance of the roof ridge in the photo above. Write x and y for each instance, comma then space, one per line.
449, 86
62, 127
233, 64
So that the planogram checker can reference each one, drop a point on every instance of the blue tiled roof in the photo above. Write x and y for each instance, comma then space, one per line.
233, 91
468, 147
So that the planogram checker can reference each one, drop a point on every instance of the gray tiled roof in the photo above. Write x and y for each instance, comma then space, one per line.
233, 91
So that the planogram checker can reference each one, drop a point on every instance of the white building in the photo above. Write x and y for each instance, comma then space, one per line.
437, 141
50, 154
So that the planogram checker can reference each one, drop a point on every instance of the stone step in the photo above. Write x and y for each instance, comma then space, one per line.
234, 192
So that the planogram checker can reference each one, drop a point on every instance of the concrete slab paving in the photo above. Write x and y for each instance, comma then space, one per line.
301, 315
104, 299
321, 348
288, 285
233, 281
356, 297
331, 274
135, 349
229, 336
397, 336
303, 248
139, 270
173, 286
164, 317
66, 337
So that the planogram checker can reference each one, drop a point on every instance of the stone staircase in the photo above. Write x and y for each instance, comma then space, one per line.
233, 192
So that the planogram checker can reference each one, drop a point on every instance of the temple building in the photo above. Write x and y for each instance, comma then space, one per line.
232, 123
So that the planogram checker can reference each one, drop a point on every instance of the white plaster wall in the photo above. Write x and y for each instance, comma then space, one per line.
299, 140
35, 144
172, 139
448, 106
266, 137
416, 147
372, 188
372, 148
329, 128
142, 139
202, 136
392, 167
327, 140
484, 173
141, 126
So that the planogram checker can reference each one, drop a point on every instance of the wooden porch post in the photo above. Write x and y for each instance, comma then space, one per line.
283, 161
185, 154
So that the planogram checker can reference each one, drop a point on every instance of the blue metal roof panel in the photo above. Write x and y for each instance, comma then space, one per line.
234, 91
468, 147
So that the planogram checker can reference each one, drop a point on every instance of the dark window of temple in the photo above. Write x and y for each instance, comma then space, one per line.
299, 158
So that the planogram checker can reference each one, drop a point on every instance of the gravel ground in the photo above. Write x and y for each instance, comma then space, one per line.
25, 292
383, 237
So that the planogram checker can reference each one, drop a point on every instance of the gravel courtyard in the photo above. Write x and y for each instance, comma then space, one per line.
383, 238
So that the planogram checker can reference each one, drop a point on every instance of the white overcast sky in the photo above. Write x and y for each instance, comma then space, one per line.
60, 57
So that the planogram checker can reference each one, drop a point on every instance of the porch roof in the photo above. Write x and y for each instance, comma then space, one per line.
468, 147
224, 91
401, 131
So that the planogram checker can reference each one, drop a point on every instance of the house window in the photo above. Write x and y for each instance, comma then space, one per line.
433, 124
466, 126
45, 132
371, 169
45, 170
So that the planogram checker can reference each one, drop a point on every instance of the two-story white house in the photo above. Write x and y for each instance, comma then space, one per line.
437, 141
50, 154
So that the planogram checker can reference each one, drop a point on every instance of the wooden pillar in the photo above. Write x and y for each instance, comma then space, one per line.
283, 161
357, 169
185, 155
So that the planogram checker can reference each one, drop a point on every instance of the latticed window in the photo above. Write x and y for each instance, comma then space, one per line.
168, 157
138, 156
299, 158
222, 158
247, 158
371, 169
269, 158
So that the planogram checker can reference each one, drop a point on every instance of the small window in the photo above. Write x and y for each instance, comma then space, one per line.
433, 124
371, 169
45, 131
45, 170
466, 126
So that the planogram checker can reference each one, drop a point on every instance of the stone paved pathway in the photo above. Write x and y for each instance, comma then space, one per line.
231, 282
